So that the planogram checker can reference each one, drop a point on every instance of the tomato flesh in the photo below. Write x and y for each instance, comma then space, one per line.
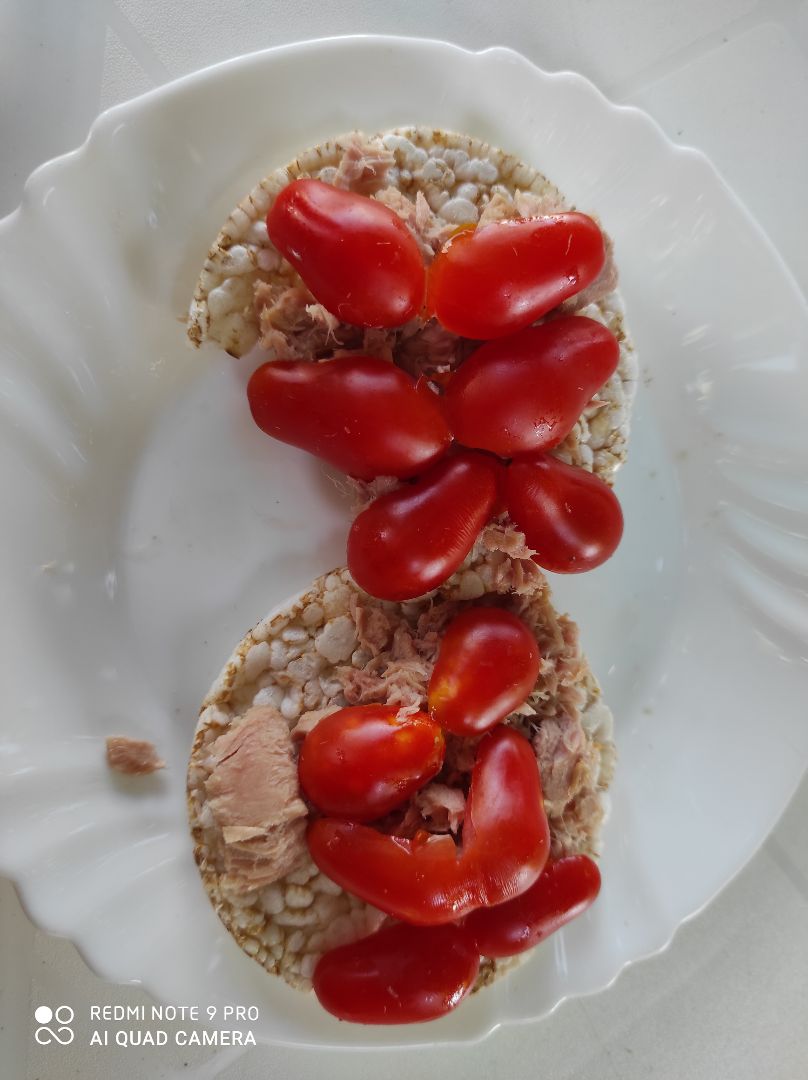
411, 540
487, 665
565, 889
526, 392
570, 517
497, 279
428, 880
363, 761
399, 975
356, 255
360, 413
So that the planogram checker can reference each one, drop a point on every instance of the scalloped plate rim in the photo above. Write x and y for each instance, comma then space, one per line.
102, 126
185, 82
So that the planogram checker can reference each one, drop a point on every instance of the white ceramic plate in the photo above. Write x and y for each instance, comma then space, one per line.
146, 527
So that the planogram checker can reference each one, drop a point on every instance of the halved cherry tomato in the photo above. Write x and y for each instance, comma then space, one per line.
362, 414
570, 517
565, 889
499, 278
487, 665
526, 392
363, 761
429, 880
410, 540
399, 975
356, 255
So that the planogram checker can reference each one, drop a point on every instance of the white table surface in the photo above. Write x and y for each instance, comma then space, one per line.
729, 998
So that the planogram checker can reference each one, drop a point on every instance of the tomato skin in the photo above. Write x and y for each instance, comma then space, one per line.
411, 540
565, 889
420, 881
526, 392
356, 255
428, 880
363, 761
497, 279
569, 516
506, 836
487, 665
360, 413
399, 975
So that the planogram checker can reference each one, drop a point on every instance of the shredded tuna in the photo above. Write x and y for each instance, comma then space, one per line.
560, 666
508, 566
403, 644
282, 307
407, 710
133, 757
397, 677
423, 214
361, 687
520, 576
321, 317
430, 230
282, 317
309, 720
430, 626
564, 760
232, 834
524, 204
253, 795
278, 344
401, 682
508, 540
442, 807
528, 204
363, 492
500, 208
437, 808
572, 830
436, 232
372, 628
295, 327
364, 166
395, 199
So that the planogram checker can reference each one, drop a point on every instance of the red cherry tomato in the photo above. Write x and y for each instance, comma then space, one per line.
499, 278
429, 880
570, 517
356, 255
410, 540
362, 414
564, 890
399, 975
487, 665
526, 392
362, 762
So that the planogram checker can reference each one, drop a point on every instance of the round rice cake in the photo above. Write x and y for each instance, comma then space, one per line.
335, 646
248, 295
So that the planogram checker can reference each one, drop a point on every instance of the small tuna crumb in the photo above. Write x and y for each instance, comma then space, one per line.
133, 757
